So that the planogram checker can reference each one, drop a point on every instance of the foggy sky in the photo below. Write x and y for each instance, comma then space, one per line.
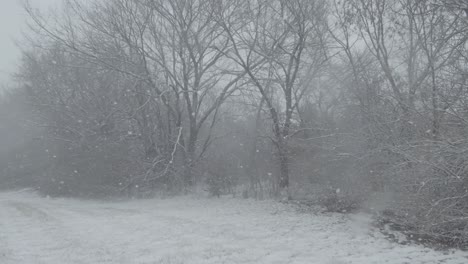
12, 22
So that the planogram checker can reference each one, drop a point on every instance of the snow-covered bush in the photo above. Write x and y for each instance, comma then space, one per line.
432, 187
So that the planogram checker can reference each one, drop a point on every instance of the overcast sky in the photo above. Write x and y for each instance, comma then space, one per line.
12, 19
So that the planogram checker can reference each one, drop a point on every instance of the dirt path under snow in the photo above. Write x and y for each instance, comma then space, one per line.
189, 230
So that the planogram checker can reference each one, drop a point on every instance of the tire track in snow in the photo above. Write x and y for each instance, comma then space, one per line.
42, 236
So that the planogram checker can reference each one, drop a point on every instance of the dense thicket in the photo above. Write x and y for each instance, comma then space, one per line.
356, 104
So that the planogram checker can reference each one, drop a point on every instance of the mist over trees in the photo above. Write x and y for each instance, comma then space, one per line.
353, 104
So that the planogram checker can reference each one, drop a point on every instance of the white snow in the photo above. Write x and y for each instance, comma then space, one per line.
192, 230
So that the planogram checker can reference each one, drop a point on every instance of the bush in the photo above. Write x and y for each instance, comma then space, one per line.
340, 202
431, 184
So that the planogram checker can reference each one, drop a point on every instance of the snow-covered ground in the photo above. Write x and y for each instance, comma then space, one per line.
191, 230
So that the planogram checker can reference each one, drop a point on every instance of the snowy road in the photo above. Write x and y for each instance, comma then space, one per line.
190, 230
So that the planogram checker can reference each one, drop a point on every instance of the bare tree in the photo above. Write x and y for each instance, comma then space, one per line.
174, 50
269, 40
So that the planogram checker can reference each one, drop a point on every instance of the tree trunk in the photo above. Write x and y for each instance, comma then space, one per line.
284, 168
190, 158
281, 145
252, 168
